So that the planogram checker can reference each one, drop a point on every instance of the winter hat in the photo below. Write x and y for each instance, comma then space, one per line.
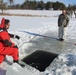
2, 23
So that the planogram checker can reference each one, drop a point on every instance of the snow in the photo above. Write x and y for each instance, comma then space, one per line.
34, 12
16, 69
64, 64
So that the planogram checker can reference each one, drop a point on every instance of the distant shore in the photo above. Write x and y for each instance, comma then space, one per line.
8, 14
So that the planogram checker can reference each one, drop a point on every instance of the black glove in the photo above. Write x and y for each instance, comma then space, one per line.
17, 37
15, 46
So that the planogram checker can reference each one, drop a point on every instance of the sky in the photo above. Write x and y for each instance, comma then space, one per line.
64, 1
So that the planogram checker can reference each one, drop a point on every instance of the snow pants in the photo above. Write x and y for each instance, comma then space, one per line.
62, 32
8, 51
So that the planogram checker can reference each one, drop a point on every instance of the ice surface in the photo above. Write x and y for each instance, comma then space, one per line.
63, 65
16, 69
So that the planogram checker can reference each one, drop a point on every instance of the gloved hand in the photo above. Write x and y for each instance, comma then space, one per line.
17, 37
15, 46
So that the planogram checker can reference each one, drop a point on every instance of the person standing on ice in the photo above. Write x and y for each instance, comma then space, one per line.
7, 47
75, 13
71, 13
63, 21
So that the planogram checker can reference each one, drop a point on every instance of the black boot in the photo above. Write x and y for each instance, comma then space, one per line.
22, 65
61, 39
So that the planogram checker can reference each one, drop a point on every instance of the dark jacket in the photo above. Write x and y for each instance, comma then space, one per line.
63, 20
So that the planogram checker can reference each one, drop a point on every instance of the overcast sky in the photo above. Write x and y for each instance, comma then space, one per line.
64, 1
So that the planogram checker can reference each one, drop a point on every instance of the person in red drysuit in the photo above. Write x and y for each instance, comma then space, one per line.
7, 47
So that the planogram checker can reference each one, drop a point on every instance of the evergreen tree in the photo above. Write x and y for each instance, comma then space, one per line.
28, 4
58, 6
48, 5
41, 5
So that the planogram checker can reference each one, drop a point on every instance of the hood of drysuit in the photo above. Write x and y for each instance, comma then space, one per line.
2, 25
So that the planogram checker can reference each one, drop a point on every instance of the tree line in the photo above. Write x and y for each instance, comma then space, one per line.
35, 5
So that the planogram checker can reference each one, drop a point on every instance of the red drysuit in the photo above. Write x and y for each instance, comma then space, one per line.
6, 46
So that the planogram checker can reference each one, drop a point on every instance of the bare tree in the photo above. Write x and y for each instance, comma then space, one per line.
2, 5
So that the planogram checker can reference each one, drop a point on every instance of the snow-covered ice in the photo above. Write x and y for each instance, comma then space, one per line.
34, 12
64, 64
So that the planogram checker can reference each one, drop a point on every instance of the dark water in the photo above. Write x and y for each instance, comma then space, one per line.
40, 59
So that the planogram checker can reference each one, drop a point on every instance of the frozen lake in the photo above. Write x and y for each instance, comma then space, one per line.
47, 28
